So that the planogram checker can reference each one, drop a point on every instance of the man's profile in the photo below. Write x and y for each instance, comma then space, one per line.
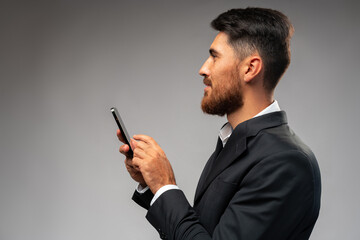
262, 181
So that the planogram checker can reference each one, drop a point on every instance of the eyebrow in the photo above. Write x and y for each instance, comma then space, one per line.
213, 52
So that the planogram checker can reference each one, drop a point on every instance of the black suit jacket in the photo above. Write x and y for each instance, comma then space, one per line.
264, 184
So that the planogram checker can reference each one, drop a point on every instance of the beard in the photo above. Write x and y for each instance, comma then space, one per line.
223, 99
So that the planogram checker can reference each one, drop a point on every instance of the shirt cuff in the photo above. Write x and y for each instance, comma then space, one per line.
141, 189
162, 190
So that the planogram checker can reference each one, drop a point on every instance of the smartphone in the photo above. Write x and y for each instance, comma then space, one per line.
122, 128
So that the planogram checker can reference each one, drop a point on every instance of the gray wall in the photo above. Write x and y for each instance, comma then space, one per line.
63, 64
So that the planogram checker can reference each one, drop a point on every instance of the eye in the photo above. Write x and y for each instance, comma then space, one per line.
213, 54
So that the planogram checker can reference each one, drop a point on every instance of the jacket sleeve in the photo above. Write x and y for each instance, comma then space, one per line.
143, 199
276, 200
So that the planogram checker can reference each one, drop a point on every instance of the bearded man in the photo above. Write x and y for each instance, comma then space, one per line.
262, 181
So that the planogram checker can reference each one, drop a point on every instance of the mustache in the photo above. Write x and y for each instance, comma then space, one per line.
207, 81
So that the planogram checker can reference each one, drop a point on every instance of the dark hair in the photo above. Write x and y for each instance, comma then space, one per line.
265, 30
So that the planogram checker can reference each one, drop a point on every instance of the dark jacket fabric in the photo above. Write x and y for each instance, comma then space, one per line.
264, 184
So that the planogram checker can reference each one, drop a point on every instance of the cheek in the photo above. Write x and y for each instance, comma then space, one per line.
224, 79
223, 73
218, 76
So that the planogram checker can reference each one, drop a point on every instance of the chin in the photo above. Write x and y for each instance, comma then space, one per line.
210, 108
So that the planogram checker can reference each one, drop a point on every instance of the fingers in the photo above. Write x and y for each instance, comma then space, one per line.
133, 144
139, 144
144, 138
144, 142
141, 149
143, 146
124, 149
130, 165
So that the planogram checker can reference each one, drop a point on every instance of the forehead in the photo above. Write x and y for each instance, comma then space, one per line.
221, 43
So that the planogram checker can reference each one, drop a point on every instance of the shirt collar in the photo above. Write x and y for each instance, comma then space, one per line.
226, 130
274, 107
225, 133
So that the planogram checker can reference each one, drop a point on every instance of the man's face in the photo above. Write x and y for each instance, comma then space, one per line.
223, 92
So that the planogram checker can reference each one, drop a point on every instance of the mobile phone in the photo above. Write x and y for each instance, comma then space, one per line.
122, 128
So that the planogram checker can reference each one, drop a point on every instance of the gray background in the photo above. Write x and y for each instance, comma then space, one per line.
63, 64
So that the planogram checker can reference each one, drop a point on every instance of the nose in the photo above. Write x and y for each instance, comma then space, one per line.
204, 70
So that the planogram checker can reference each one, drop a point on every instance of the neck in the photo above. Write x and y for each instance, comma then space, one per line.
252, 106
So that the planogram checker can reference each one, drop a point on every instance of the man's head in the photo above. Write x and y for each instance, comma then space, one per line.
262, 33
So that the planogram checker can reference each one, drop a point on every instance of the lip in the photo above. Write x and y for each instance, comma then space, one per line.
207, 83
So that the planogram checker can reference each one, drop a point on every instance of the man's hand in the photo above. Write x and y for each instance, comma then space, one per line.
152, 162
133, 171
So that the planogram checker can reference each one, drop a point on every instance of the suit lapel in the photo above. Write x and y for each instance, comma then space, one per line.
236, 145
218, 163
208, 167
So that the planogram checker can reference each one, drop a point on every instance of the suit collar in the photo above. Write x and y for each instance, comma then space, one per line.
237, 144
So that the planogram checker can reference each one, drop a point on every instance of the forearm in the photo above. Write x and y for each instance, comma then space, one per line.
173, 217
274, 201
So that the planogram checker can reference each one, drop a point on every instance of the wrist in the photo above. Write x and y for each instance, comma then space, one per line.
156, 188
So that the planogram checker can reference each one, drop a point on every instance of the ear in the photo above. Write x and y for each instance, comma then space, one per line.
253, 66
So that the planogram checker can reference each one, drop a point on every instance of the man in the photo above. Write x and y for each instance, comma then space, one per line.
262, 181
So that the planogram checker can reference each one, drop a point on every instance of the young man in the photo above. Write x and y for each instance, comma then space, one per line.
262, 181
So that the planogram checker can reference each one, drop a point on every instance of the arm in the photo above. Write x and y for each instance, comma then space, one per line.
275, 200
149, 167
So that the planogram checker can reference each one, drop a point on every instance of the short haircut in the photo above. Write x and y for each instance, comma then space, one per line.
259, 29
